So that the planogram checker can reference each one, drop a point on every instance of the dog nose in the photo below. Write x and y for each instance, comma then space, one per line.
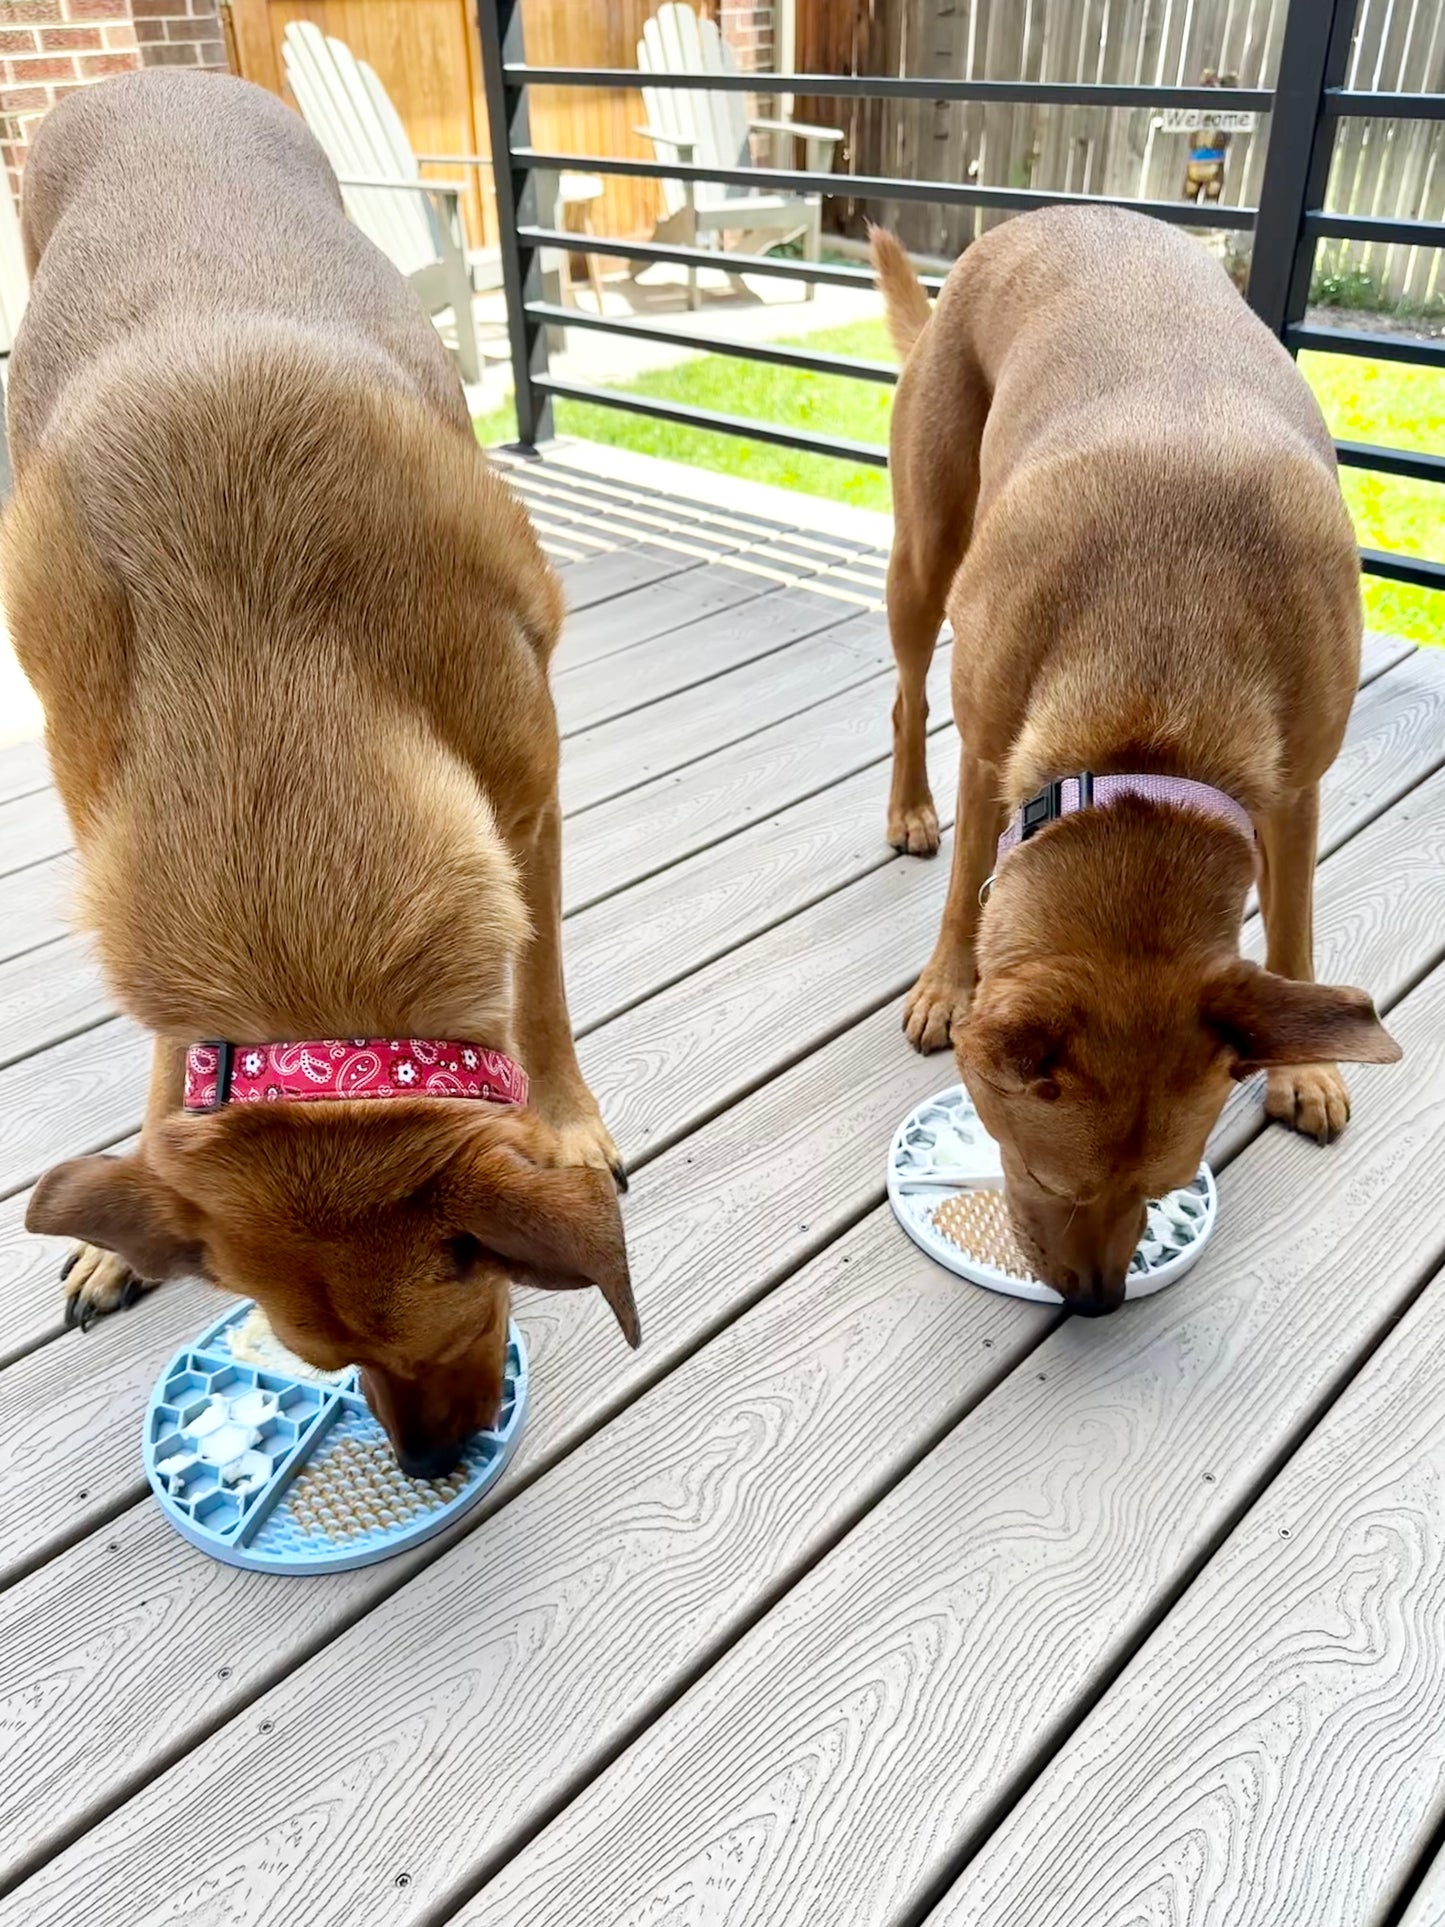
1095, 1295
433, 1464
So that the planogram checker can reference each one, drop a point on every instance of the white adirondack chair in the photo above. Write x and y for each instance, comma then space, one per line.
416, 223
707, 129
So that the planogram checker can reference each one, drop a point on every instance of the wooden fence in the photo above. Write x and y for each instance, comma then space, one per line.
427, 56
1381, 167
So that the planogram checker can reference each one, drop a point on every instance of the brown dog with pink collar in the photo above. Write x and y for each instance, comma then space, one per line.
291, 634
1119, 488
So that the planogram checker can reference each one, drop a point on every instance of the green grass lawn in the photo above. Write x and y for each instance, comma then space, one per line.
1368, 401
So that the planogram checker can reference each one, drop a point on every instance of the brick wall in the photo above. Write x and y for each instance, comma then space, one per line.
48, 48
747, 26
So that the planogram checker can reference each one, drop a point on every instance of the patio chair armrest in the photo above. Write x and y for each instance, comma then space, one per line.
805, 130
683, 150
454, 160
448, 190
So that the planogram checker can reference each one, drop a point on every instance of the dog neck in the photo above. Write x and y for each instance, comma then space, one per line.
1132, 881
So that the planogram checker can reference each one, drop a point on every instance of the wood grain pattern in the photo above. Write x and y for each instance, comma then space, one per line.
858, 1741
609, 628
1396, 736
30, 1290
1302, 1786
31, 829
711, 1226
38, 905
707, 649
80, 1096
645, 938
657, 824
599, 577
1427, 1907
1380, 652
605, 761
24, 768
49, 994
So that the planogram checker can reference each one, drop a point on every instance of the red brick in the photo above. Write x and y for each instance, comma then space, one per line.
99, 66
19, 12
44, 67
16, 40
71, 40
23, 100
156, 9
96, 9
122, 34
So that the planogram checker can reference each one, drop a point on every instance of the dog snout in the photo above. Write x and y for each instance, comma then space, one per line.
1095, 1293
434, 1462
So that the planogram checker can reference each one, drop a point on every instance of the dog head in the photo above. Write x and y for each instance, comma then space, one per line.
1101, 1084
377, 1235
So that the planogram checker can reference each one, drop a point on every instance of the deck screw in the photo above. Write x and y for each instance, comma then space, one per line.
83, 1493
114, 1546
1284, 1532
1209, 1478
223, 1672
266, 1726
988, 1344
403, 1880
1043, 1378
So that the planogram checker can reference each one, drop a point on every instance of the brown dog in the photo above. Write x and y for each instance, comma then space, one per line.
1120, 488
292, 634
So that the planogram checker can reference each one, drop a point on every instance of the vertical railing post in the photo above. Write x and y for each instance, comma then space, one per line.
499, 23
1314, 55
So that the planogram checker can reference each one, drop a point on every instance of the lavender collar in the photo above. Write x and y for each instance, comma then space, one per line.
1073, 793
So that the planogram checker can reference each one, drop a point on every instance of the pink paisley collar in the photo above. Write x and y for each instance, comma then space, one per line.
348, 1067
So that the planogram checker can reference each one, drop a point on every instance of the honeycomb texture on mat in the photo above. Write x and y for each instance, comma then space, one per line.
978, 1223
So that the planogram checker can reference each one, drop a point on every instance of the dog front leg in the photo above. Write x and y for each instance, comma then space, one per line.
939, 1001
1312, 1098
98, 1281
541, 1020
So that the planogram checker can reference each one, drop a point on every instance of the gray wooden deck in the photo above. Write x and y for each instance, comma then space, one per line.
859, 1596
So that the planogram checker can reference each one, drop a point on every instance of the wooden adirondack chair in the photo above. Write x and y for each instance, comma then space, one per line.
712, 130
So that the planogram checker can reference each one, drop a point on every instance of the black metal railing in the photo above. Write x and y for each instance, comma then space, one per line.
1306, 105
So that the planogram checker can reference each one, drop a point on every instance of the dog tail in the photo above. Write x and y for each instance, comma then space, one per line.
908, 306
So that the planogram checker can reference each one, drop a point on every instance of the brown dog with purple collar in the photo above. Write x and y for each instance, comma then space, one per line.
1120, 489
291, 634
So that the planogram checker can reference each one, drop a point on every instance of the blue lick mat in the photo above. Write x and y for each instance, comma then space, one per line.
282, 1474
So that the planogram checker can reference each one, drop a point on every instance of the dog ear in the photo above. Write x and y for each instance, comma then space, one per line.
119, 1204
559, 1226
1015, 1034
1266, 1019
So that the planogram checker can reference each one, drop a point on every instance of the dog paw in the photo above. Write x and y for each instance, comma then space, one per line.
97, 1283
1311, 1098
915, 830
930, 1011
585, 1139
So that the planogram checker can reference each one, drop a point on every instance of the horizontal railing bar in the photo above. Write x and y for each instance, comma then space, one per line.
1050, 93
1391, 461
879, 187
556, 315
1403, 568
1342, 102
1368, 227
755, 431
1378, 347
786, 268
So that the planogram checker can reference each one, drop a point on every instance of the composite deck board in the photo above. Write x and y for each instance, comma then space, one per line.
1315, 1774
725, 1033
611, 758
711, 1226
846, 1754
657, 824
1427, 1904
31, 829
674, 1519
622, 684
24, 768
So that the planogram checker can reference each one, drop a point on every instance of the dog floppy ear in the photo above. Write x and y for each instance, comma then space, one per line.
559, 1226
1014, 1034
119, 1204
1266, 1020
